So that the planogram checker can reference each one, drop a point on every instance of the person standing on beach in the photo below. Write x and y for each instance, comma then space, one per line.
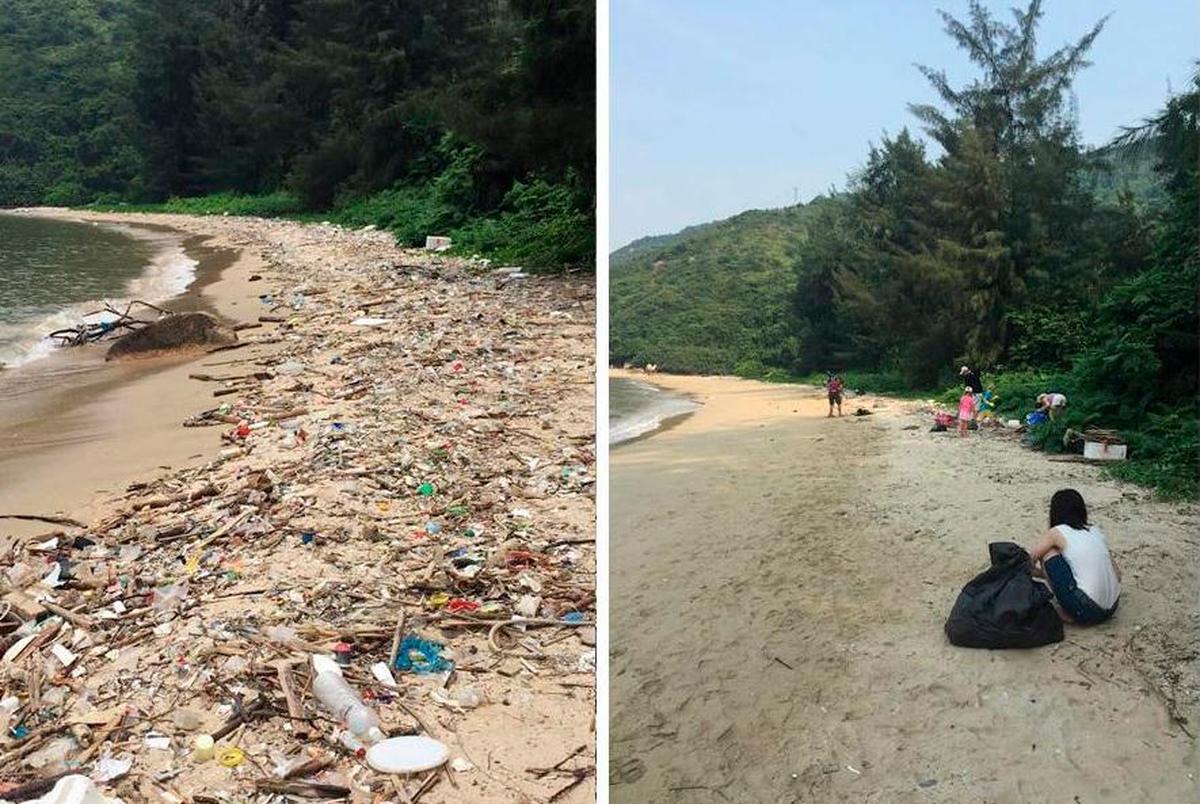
966, 411
971, 379
833, 388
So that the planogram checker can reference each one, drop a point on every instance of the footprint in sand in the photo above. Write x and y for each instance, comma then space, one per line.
627, 771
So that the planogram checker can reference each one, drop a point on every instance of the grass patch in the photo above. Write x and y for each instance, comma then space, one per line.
279, 204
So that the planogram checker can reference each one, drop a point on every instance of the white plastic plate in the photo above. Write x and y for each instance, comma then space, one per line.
407, 755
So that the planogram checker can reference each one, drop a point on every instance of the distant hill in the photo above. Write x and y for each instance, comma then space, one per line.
710, 297
655, 244
714, 296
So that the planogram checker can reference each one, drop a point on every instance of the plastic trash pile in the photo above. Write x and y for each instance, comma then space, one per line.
403, 497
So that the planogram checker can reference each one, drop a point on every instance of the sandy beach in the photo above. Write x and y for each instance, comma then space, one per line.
426, 472
779, 585
74, 428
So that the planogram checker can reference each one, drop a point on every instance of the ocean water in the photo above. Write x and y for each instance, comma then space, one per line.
52, 273
636, 408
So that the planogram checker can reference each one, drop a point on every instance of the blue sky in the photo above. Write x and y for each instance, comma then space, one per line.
718, 107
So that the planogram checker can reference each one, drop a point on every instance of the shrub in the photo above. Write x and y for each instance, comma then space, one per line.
540, 226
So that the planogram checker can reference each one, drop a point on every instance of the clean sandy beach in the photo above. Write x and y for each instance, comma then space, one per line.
780, 581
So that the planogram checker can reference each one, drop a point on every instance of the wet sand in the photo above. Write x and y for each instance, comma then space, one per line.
73, 427
780, 581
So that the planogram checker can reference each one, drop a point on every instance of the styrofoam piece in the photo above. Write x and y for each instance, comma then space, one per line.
383, 674
407, 755
1100, 451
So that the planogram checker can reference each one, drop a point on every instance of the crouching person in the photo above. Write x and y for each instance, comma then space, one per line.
1073, 556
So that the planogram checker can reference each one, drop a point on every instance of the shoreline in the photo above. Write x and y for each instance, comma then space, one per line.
664, 424
170, 274
817, 560
73, 426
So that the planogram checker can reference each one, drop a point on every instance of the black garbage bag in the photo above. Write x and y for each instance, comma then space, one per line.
1003, 607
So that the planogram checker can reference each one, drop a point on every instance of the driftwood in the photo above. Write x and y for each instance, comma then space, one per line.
37, 787
303, 789
53, 520
90, 332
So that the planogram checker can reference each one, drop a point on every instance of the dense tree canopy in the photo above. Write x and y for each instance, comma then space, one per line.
460, 110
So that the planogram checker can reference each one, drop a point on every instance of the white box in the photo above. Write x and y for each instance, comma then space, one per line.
1100, 451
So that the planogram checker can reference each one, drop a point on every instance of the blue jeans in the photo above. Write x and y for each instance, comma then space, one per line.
1073, 600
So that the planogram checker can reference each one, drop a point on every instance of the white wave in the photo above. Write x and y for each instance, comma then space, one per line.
657, 407
169, 272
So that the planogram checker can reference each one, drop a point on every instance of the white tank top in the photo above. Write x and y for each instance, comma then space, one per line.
1087, 555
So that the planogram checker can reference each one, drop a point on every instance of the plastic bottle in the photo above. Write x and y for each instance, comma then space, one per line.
337, 696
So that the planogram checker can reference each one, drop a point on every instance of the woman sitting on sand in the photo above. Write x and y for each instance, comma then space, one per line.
1075, 561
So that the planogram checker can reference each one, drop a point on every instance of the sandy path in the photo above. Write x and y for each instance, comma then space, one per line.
780, 581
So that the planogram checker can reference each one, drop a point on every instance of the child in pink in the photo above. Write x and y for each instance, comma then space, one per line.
966, 411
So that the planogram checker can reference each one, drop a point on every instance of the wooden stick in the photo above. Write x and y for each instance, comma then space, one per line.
53, 520
303, 789
81, 620
310, 768
579, 777
295, 710
396, 635
430, 781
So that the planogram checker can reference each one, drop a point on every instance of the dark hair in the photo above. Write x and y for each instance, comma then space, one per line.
1067, 508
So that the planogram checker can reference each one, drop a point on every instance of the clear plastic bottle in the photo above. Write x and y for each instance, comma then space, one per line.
337, 696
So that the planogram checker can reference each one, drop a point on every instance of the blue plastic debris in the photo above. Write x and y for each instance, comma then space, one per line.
419, 655
573, 617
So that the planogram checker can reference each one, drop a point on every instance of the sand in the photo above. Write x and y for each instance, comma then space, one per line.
779, 585
74, 428
539, 700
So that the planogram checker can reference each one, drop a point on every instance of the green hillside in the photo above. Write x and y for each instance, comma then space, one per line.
996, 241
710, 299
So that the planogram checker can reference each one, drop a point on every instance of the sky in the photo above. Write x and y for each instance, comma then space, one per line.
718, 107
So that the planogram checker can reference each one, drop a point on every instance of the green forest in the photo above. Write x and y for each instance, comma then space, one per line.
468, 118
1001, 241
